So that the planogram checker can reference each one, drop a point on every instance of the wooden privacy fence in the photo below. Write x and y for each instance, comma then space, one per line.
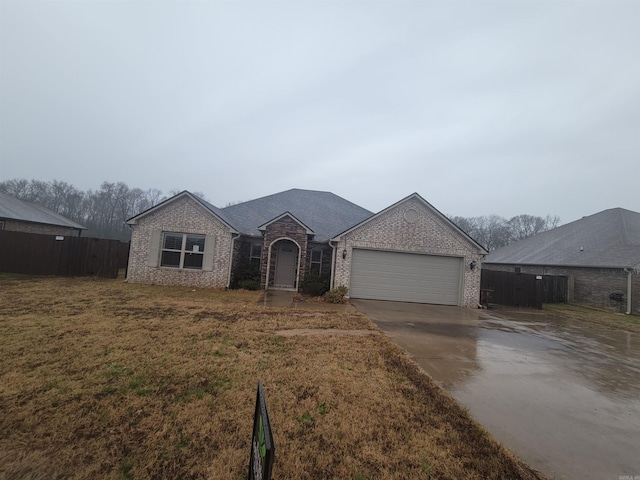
32, 254
522, 289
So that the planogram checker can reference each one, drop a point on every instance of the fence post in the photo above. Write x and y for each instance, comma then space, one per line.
537, 300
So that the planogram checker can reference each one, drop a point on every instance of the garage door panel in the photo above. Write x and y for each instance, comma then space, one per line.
405, 277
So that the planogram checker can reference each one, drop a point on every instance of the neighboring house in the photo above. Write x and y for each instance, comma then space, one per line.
600, 254
20, 216
407, 252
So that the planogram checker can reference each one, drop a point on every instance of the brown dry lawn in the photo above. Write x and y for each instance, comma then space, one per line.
103, 379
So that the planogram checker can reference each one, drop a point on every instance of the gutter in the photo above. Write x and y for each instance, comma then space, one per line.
233, 242
629, 271
333, 263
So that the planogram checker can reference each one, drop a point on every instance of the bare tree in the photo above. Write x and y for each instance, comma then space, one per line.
17, 188
524, 226
68, 201
551, 221
103, 211
154, 197
176, 191
494, 231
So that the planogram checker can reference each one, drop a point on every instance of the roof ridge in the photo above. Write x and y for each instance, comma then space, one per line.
624, 228
324, 213
280, 194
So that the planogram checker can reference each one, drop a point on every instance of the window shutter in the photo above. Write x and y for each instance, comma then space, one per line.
209, 248
154, 248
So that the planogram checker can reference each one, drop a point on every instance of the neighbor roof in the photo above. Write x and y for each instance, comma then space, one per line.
325, 213
14, 209
610, 238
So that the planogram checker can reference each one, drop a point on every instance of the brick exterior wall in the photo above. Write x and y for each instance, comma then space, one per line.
183, 215
39, 228
327, 252
283, 228
242, 252
242, 257
591, 286
428, 234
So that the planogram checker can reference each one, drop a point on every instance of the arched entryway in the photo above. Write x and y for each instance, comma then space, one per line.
284, 264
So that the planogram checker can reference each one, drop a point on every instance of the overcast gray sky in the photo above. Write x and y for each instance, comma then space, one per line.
481, 107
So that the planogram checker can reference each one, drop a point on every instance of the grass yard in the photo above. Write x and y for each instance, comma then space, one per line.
601, 316
104, 379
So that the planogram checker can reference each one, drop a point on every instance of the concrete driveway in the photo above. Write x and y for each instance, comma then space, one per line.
564, 395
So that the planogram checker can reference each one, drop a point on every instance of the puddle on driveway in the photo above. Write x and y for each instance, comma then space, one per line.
562, 394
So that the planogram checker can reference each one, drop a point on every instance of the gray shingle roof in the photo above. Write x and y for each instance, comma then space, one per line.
610, 238
325, 213
14, 209
218, 211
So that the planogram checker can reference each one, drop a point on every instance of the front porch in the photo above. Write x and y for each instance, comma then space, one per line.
281, 259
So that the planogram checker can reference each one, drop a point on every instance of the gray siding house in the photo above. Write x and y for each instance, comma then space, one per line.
599, 253
407, 252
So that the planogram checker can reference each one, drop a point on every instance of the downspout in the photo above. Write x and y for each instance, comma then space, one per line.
333, 264
266, 282
233, 244
629, 272
297, 282
126, 271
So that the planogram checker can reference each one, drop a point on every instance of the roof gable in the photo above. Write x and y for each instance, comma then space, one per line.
264, 226
426, 204
208, 206
15, 209
610, 238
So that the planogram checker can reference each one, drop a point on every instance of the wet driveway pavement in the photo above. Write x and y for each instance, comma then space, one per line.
563, 395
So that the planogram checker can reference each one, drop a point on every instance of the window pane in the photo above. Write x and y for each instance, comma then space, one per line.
172, 241
195, 243
256, 250
193, 260
315, 269
170, 259
316, 255
254, 262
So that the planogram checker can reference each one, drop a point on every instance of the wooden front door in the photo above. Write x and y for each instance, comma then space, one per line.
286, 265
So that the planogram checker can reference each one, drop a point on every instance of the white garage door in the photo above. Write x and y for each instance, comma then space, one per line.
405, 277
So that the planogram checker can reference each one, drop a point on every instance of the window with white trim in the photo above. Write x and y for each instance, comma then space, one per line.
1, 225
316, 261
256, 254
182, 250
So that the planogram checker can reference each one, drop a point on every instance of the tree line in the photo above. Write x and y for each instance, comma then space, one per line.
494, 231
105, 210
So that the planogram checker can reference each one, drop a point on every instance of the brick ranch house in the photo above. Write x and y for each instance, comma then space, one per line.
20, 216
599, 253
407, 252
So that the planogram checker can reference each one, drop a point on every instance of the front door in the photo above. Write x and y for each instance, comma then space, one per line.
286, 260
